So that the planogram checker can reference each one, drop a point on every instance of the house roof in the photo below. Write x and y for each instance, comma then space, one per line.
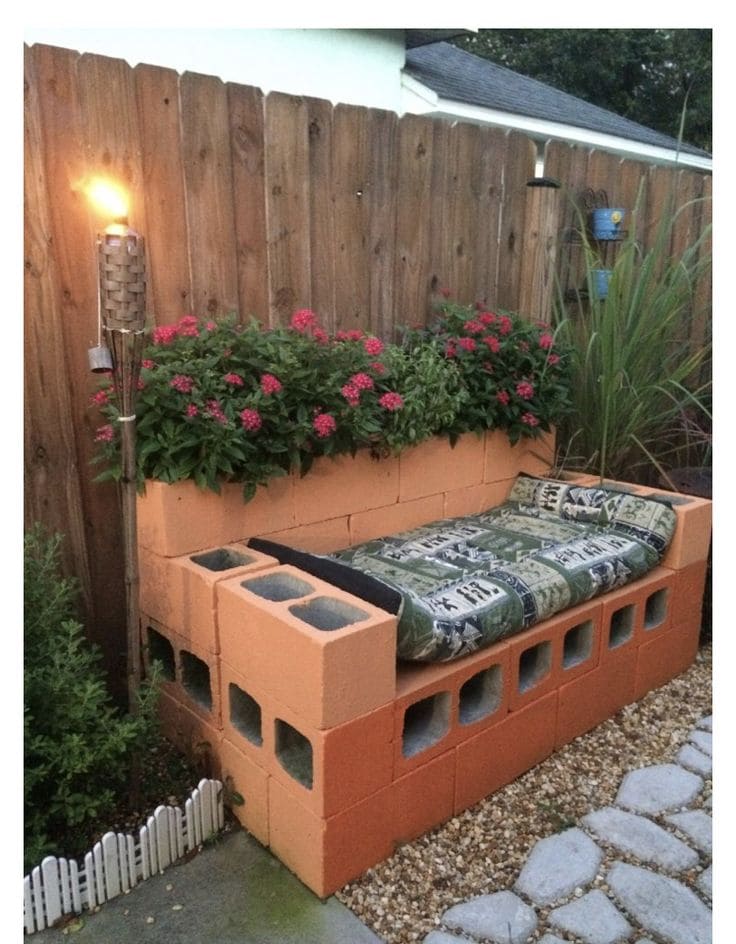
460, 76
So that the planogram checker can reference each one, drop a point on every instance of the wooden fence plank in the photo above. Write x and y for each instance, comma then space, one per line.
351, 170
169, 287
461, 197
321, 211
439, 239
208, 181
381, 248
245, 109
489, 211
414, 198
520, 160
287, 205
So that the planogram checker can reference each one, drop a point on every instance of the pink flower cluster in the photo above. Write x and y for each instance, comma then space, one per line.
182, 383
373, 346
270, 384
185, 327
251, 420
354, 334
324, 425
104, 433
525, 390
305, 322
214, 409
235, 380
391, 401
529, 419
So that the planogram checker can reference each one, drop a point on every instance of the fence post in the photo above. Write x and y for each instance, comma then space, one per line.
539, 249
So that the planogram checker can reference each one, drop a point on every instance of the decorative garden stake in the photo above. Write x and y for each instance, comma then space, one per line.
122, 298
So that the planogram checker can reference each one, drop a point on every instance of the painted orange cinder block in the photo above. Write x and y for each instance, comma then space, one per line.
426, 469
327, 853
667, 655
394, 519
589, 700
691, 540
321, 652
200, 742
502, 460
240, 774
438, 705
181, 518
476, 498
424, 798
657, 595
503, 752
689, 592
167, 709
343, 485
538, 454
180, 591
322, 537
554, 651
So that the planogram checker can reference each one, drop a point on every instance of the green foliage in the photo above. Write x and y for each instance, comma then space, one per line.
220, 401
646, 75
636, 381
77, 747
515, 373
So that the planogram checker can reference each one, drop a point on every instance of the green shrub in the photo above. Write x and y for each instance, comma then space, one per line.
78, 748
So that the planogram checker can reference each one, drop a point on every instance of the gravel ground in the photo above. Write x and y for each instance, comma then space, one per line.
483, 849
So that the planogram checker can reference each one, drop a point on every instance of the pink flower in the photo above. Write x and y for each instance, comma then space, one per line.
211, 325
546, 341
191, 409
525, 390
303, 320
141, 384
100, 397
147, 363
505, 324
104, 433
182, 383
450, 349
362, 381
373, 346
553, 359
354, 334
529, 419
503, 396
251, 420
391, 401
214, 408
270, 384
467, 344
320, 335
351, 394
188, 327
164, 334
493, 343
377, 367
235, 380
486, 317
473, 327
324, 425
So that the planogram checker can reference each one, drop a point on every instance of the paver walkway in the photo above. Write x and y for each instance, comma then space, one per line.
640, 867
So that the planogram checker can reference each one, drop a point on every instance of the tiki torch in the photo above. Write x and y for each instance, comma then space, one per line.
121, 319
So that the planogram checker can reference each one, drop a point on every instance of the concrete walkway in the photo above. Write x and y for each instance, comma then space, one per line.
615, 878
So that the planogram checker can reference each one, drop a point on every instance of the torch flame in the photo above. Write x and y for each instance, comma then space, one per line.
107, 196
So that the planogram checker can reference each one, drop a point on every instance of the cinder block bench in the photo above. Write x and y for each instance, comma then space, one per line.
292, 690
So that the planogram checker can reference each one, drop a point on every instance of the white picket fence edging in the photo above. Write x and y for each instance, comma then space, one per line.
118, 862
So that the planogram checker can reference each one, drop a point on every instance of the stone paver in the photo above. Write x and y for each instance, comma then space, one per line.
635, 834
592, 918
551, 939
558, 865
660, 904
703, 740
501, 917
442, 937
705, 724
690, 757
658, 789
697, 825
705, 882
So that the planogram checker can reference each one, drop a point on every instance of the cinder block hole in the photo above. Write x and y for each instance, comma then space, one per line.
294, 753
578, 644
278, 587
480, 696
245, 715
425, 723
534, 663
195, 677
223, 558
328, 614
160, 650
622, 626
655, 609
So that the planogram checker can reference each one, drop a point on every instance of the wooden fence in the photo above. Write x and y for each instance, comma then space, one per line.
257, 205
118, 862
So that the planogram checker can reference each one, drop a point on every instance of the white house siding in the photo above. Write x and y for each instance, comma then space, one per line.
356, 67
